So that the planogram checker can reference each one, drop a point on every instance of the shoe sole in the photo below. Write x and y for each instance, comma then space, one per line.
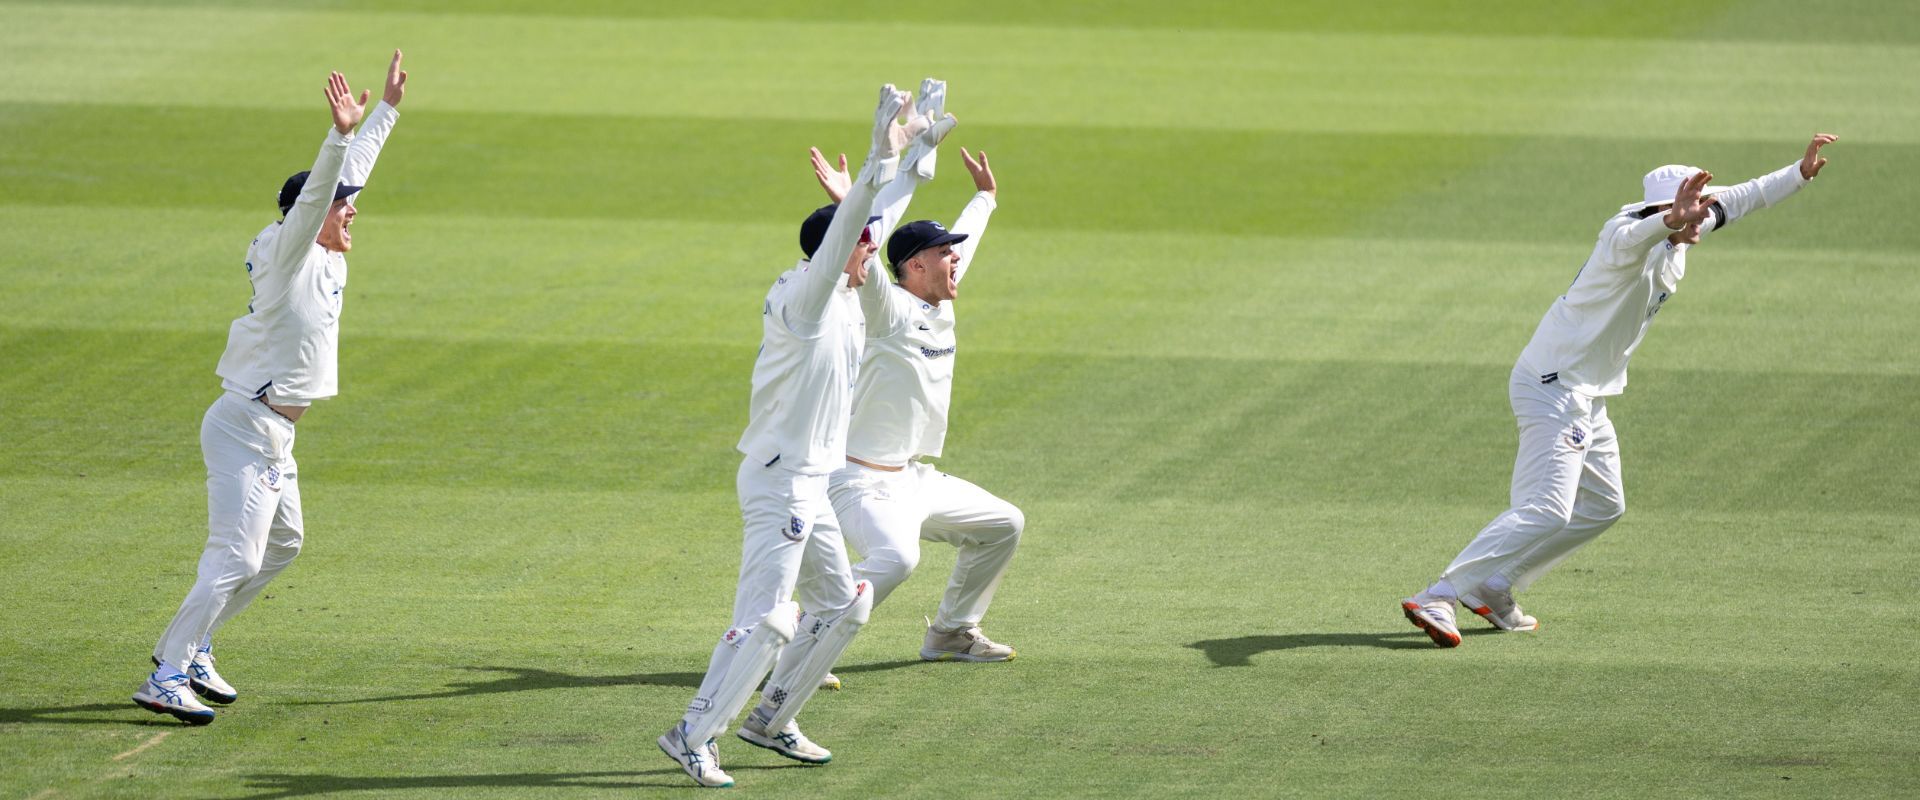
769, 744
210, 695
189, 717
1439, 636
660, 743
944, 655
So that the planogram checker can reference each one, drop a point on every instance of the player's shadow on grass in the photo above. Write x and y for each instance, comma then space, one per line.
275, 786
1238, 652
59, 715
527, 679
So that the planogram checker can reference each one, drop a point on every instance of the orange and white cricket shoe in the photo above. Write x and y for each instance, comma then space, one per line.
1433, 615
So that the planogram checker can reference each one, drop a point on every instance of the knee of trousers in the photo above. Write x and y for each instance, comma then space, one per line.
280, 555
890, 567
1016, 522
1550, 517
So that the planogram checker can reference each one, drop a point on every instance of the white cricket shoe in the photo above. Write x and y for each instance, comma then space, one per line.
701, 761
1499, 609
830, 683
206, 682
1433, 615
968, 644
166, 692
787, 741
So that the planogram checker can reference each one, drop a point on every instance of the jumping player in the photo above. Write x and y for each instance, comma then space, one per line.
796, 435
1566, 475
280, 358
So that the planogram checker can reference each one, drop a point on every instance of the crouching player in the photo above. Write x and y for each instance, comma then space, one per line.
1566, 475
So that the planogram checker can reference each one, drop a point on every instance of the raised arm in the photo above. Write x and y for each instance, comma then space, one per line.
1773, 187
973, 219
373, 135
883, 160
303, 221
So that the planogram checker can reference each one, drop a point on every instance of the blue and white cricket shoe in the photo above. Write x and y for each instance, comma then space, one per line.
166, 692
206, 682
701, 761
787, 741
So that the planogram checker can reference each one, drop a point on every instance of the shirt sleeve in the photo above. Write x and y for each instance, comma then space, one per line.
972, 222
303, 221
1641, 234
367, 144
1759, 193
809, 304
891, 204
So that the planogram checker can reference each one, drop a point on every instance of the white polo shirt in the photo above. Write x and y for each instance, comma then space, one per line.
1587, 337
810, 344
905, 390
286, 348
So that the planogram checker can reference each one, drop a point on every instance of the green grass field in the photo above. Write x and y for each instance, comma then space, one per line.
1237, 344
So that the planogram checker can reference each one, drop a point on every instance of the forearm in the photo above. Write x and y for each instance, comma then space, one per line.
1640, 232
367, 143
973, 222
1762, 192
310, 209
892, 202
823, 274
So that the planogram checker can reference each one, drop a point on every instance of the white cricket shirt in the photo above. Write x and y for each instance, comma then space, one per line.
905, 390
810, 344
287, 346
1589, 334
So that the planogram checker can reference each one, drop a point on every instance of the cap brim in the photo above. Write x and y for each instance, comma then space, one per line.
346, 191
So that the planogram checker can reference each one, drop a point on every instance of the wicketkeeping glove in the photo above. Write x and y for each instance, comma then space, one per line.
931, 104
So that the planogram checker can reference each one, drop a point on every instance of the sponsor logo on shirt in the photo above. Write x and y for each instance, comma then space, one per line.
941, 353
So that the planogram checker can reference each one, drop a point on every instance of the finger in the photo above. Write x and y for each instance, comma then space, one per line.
818, 159
843, 162
396, 61
983, 160
364, 94
972, 165
403, 78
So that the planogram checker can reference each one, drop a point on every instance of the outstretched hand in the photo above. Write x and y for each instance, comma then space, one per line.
981, 171
1689, 208
835, 181
1811, 163
396, 82
346, 112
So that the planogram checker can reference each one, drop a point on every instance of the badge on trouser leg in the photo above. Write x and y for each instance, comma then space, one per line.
832, 637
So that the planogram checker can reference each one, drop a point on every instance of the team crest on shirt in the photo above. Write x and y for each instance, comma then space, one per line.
271, 478
796, 529
1576, 438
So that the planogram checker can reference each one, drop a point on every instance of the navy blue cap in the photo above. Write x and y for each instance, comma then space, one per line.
914, 237
814, 230
290, 191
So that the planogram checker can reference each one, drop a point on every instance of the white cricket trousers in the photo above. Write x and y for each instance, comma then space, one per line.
1566, 488
790, 549
886, 514
254, 527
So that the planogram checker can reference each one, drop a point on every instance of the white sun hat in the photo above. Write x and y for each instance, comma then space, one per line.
1663, 183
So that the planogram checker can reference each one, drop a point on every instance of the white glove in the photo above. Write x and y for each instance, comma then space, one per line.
931, 104
888, 137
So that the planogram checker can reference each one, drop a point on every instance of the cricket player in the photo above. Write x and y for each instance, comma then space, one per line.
796, 434
280, 357
1566, 475
887, 496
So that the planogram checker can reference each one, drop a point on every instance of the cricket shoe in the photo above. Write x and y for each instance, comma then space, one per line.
205, 681
701, 761
166, 692
830, 683
967, 644
787, 741
1499, 609
1433, 615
